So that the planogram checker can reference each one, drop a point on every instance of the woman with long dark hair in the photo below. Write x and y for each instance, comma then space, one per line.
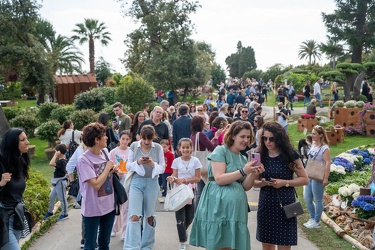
14, 170
139, 117
281, 161
67, 132
104, 120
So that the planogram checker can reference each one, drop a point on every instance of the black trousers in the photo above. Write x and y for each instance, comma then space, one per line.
184, 218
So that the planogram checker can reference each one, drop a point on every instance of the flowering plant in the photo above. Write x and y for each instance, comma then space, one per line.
358, 129
348, 193
336, 172
350, 104
341, 161
364, 206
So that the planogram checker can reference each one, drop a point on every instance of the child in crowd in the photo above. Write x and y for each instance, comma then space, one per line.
119, 156
186, 170
168, 157
59, 183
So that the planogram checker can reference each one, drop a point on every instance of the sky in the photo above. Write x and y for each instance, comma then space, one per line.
274, 29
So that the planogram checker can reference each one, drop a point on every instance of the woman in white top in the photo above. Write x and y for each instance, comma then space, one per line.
65, 134
186, 170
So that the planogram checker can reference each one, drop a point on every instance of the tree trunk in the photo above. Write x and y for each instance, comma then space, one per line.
4, 123
92, 55
186, 89
357, 84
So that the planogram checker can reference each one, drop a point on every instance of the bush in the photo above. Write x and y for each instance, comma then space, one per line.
135, 92
45, 110
109, 94
90, 100
36, 196
81, 118
62, 113
362, 98
11, 112
28, 122
48, 130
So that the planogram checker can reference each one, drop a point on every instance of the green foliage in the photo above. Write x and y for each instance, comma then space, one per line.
36, 196
309, 49
11, 112
45, 110
28, 122
275, 70
109, 110
135, 93
241, 61
81, 118
109, 93
279, 79
13, 91
333, 75
299, 80
48, 130
102, 70
362, 98
62, 113
254, 73
217, 74
91, 99
358, 177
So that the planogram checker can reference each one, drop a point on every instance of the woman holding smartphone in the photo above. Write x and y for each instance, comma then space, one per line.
277, 184
146, 160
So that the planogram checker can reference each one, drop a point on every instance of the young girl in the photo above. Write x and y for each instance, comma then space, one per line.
119, 156
186, 170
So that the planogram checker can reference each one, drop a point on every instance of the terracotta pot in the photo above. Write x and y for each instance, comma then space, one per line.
49, 153
370, 117
31, 151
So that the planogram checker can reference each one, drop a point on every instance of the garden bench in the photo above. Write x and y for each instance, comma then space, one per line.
5, 103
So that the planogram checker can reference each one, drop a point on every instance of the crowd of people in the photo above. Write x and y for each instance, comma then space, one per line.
153, 148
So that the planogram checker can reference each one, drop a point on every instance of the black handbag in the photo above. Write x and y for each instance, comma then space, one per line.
291, 210
74, 188
119, 190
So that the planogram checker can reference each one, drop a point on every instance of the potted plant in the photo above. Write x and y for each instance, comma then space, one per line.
48, 131
13, 91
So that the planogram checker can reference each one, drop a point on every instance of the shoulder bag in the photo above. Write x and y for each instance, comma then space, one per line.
202, 156
177, 197
119, 190
129, 174
112, 144
315, 169
291, 210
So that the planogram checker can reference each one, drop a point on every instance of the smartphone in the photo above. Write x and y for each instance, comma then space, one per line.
145, 158
114, 120
256, 156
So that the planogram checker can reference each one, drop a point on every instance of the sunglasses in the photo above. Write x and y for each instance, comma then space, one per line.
255, 121
200, 110
271, 138
245, 111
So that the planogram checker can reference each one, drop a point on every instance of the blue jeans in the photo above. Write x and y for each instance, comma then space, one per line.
143, 197
92, 225
14, 237
317, 96
164, 183
314, 193
306, 100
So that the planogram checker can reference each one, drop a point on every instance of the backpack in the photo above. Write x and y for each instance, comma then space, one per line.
73, 145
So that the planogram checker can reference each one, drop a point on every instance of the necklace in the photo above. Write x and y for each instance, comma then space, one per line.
186, 165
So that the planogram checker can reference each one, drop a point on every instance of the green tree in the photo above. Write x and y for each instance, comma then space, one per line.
89, 31
309, 49
217, 74
333, 50
275, 70
103, 70
241, 61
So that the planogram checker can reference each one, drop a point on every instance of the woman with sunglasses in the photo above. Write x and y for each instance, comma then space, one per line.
281, 161
209, 100
315, 189
202, 114
193, 110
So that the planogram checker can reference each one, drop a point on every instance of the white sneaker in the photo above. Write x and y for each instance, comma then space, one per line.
161, 199
113, 234
313, 225
308, 222
182, 246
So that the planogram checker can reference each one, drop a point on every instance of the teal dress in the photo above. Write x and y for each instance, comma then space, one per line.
222, 213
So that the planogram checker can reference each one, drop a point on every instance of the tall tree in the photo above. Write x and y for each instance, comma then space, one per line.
242, 61
103, 70
332, 49
89, 31
309, 49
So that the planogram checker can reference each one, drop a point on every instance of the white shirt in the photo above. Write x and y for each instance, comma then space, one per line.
67, 136
316, 88
186, 169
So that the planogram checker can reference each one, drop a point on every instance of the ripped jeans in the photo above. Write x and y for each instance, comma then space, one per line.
143, 197
184, 217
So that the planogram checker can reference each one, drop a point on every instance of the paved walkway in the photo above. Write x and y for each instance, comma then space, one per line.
67, 234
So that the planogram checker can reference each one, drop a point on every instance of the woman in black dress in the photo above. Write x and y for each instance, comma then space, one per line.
280, 162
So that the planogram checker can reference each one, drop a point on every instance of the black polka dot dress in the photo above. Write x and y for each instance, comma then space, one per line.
272, 225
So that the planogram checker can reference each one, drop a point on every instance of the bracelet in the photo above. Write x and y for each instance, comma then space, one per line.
242, 172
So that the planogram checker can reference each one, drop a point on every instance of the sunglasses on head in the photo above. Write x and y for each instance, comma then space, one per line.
271, 138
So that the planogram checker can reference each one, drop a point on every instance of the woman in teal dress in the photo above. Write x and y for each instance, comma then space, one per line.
222, 214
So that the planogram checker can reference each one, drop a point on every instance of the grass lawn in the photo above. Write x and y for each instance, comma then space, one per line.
40, 161
26, 103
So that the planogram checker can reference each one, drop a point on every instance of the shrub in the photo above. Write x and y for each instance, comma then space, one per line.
62, 113
48, 130
350, 104
36, 196
28, 122
152, 106
135, 92
45, 110
108, 93
90, 100
339, 104
11, 112
360, 104
362, 98
81, 118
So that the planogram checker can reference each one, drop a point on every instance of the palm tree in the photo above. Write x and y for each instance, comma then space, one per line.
309, 49
333, 50
90, 31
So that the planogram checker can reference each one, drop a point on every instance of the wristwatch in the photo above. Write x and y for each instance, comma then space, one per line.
287, 183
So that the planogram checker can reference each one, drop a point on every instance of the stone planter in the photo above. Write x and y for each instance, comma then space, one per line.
49, 153
347, 117
31, 151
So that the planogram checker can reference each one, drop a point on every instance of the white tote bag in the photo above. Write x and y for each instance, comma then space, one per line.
202, 156
177, 197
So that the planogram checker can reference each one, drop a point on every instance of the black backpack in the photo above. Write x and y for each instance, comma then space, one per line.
73, 145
